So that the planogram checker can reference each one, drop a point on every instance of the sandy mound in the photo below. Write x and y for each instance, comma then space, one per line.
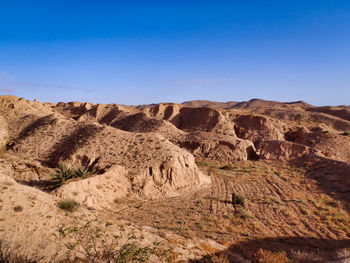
218, 147
192, 119
30, 221
140, 122
203, 119
325, 139
165, 111
72, 109
107, 113
155, 166
244, 105
340, 112
19, 113
3, 132
34, 217
258, 128
99, 191
208, 103
285, 151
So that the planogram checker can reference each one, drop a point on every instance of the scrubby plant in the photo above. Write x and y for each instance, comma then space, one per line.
90, 242
312, 141
227, 167
221, 258
346, 133
68, 205
243, 213
15, 254
18, 208
81, 172
238, 199
265, 256
64, 173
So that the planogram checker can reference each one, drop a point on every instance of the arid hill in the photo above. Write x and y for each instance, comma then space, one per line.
200, 181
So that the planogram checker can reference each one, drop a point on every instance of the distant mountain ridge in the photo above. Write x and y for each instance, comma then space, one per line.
251, 104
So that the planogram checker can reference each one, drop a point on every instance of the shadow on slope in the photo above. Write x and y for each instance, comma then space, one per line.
299, 248
333, 177
69, 144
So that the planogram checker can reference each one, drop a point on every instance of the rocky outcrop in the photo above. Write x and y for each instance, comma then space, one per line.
218, 147
190, 119
285, 151
258, 128
204, 119
3, 132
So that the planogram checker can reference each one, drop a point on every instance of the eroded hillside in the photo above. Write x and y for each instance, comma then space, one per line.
236, 182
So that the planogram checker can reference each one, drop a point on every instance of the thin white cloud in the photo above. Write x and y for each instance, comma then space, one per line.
202, 81
5, 90
9, 83
6, 76
39, 85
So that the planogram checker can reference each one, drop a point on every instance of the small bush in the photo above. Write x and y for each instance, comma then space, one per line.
69, 205
81, 172
311, 141
245, 214
265, 256
15, 254
346, 133
227, 167
91, 241
238, 199
63, 173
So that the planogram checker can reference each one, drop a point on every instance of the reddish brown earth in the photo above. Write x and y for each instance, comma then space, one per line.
209, 181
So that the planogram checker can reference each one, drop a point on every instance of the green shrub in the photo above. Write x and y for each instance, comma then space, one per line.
312, 141
69, 205
63, 173
346, 133
238, 199
81, 172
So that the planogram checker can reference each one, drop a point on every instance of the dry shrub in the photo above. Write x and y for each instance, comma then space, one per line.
220, 258
15, 254
265, 256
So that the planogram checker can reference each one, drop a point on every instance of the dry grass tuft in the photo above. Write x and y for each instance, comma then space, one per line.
265, 256
68, 205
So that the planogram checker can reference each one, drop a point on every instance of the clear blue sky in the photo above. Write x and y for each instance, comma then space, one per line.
136, 52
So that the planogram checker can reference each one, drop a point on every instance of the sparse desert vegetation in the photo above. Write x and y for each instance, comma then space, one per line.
63, 173
68, 205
